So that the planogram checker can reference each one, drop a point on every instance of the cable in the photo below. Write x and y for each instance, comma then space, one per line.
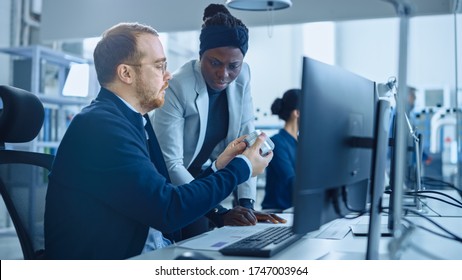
427, 181
454, 236
338, 211
440, 193
430, 230
345, 202
420, 194
354, 217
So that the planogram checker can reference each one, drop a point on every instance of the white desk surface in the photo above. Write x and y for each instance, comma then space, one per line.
420, 245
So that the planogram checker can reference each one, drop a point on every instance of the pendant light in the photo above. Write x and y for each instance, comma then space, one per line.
259, 5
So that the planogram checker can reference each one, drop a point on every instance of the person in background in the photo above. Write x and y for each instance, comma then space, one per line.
411, 97
109, 183
280, 173
413, 116
207, 105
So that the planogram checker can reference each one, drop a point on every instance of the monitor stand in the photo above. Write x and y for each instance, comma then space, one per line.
338, 255
415, 201
363, 229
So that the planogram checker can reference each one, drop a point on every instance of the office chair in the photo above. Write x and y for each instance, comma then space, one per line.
23, 174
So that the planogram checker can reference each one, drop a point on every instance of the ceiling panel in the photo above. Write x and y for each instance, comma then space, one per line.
70, 19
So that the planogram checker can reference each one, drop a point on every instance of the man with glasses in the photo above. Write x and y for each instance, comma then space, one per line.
109, 183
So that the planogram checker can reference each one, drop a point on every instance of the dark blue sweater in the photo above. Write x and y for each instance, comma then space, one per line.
280, 172
105, 191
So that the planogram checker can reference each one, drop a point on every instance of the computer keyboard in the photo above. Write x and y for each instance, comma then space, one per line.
266, 243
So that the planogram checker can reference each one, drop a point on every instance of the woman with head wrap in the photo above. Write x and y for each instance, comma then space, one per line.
207, 105
280, 172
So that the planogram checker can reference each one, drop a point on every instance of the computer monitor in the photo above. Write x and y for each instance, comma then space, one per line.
339, 117
378, 170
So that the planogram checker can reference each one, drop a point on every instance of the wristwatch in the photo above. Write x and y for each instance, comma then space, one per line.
215, 215
246, 202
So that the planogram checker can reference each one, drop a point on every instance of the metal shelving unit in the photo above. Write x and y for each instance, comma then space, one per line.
40, 58
34, 67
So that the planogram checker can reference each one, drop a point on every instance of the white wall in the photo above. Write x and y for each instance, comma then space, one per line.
275, 63
432, 58
275, 57
319, 41
5, 17
370, 48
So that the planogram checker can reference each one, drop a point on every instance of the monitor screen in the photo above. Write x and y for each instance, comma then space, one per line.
341, 156
77, 81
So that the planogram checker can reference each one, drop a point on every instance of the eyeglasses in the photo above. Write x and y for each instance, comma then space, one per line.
161, 66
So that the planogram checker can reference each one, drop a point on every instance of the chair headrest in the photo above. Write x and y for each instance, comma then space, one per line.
21, 117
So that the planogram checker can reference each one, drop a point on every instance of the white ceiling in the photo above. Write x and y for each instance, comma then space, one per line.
70, 19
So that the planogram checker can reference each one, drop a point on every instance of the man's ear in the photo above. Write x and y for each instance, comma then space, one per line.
125, 73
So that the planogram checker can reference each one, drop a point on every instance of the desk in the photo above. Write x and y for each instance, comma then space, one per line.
432, 207
421, 245
425, 245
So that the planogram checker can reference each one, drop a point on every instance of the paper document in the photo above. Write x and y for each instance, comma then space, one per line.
219, 238
336, 230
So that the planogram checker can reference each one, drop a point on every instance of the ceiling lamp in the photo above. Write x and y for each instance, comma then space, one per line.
259, 5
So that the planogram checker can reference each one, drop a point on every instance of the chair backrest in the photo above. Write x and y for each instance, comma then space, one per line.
23, 174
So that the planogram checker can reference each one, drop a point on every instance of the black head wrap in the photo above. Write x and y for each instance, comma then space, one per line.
216, 36
221, 29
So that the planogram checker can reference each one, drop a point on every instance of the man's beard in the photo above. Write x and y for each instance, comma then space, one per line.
148, 100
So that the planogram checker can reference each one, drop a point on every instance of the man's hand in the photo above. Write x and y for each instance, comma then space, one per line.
232, 150
259, 163
238, 146
241, 216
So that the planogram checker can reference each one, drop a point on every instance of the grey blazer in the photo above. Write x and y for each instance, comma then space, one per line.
180, 124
